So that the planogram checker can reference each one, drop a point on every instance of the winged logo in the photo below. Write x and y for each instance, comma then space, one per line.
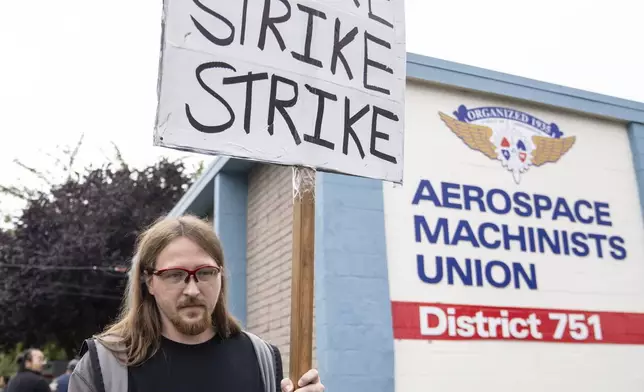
518, 140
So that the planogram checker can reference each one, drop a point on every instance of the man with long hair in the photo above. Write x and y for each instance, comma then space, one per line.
174, 332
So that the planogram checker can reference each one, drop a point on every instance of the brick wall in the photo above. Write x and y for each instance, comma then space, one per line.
269, 235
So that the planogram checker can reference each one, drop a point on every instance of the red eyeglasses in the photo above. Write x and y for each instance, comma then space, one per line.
175, 276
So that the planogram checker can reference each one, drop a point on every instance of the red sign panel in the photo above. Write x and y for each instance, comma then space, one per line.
434, 321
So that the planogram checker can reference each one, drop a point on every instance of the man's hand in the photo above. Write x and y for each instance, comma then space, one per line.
310, 382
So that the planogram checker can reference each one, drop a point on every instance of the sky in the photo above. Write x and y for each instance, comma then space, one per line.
74, 67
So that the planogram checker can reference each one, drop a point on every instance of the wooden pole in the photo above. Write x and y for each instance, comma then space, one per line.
302, 273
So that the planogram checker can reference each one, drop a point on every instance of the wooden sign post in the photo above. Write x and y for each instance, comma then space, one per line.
301, 348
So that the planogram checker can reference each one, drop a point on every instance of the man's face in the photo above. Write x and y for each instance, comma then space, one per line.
187, 307
37, 361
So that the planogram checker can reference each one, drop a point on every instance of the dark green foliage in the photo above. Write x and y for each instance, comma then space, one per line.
50, 289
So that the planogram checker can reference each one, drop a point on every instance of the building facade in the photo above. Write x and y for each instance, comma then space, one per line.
519, 199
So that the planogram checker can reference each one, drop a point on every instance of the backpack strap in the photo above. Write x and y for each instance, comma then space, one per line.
107, 373
279, 372
89, 346
269, 365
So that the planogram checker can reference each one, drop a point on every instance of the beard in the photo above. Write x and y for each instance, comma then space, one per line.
195, 326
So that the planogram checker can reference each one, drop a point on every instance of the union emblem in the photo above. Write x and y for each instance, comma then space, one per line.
517, 139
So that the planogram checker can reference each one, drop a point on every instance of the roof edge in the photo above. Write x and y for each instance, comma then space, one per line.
205, 180
453, 74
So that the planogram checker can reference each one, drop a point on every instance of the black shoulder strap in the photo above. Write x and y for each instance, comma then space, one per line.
90, 346
279, 372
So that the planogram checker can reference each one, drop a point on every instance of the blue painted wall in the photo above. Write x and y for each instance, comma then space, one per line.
353, 312
636, 136
230, 205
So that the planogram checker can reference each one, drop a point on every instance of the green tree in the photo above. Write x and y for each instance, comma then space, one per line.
64, 260
8, 365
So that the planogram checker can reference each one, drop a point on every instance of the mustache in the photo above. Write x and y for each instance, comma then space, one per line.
191, 302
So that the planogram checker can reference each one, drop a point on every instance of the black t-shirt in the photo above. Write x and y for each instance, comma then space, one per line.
218, 365
28, 381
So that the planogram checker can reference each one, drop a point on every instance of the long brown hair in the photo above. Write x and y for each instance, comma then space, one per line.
135, 336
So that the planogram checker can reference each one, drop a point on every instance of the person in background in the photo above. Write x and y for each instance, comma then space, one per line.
29, 377
61, 382
3, 383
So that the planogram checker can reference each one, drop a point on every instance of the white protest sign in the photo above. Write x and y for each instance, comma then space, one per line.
311, 83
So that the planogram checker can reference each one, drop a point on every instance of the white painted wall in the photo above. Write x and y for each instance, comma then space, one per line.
597, 168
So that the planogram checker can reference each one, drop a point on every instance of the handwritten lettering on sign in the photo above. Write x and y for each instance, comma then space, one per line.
315, 83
